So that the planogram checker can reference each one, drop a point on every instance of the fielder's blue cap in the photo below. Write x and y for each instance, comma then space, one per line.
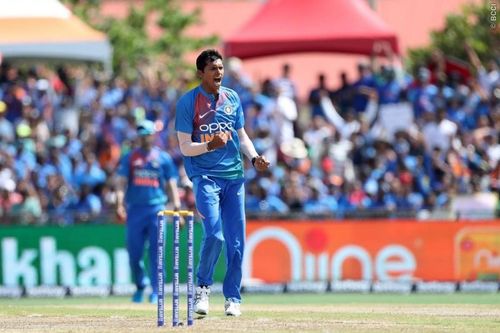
146, 127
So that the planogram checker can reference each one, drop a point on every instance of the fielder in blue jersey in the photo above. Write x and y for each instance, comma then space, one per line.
210, 128
146, 173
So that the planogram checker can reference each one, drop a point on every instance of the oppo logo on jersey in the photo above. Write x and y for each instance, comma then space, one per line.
216, 127
208, 131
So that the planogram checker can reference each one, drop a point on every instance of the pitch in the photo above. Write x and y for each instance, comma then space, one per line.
264, 313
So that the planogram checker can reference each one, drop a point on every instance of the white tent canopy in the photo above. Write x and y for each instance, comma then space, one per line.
45, 29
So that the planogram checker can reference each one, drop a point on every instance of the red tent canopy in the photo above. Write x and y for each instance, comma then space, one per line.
292, 26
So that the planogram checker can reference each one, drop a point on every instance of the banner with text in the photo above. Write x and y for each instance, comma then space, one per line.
80, 255
372, 250
276, 251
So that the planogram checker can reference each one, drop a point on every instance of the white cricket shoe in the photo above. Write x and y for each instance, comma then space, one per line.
232, 308
201, 299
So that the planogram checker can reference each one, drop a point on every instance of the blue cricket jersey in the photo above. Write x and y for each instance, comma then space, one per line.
147, 174
199, 114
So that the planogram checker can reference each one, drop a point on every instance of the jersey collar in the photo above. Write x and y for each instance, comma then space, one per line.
210, 96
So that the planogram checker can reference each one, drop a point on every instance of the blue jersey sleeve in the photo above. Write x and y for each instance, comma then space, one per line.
240, 119
184, 114
124, 166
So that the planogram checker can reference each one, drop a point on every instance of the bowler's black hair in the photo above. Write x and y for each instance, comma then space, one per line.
206, 57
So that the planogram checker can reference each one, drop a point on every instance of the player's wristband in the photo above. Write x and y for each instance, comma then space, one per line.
254, 159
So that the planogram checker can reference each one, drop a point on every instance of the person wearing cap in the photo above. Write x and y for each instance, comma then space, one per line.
146, 175
209, 124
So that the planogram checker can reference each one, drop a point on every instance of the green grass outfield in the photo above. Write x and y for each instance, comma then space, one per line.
264, 313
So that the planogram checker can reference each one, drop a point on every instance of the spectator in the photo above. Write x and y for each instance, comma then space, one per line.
88, 206
60, 130
28, 210
6, 127
315, 96
285, 84
342, 97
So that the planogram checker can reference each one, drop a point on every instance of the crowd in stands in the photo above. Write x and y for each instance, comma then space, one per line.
384, 141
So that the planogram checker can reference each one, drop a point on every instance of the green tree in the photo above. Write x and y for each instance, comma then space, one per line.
85, 9
472, 26
174, 43
133, 47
